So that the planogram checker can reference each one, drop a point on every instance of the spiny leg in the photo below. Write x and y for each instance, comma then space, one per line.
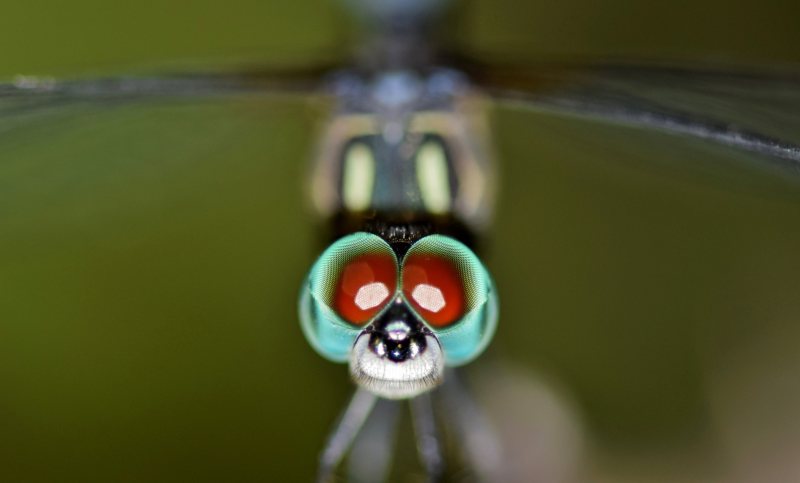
428, 444
479, 442
345, 431
371, 456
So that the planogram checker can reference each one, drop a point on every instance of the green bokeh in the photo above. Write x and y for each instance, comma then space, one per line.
150, 255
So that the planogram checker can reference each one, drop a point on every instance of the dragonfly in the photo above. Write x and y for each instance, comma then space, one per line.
404, 177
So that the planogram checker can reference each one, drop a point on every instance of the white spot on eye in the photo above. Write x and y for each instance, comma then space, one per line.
428, 297
433, 178
358, 178
371, 295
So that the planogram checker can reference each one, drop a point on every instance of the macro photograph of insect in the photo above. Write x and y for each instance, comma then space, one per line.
400, 241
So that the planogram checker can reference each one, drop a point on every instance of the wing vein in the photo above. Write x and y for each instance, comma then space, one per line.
627, 110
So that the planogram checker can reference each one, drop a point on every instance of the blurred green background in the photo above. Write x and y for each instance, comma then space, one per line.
150, 255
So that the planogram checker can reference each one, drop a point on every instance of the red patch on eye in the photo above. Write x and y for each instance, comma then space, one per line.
433, 286
364, 286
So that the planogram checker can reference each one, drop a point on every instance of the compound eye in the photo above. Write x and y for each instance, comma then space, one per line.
364, 286
432, 284
346, 287
450, 289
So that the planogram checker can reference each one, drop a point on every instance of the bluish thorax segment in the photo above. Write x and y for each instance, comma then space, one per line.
406, 142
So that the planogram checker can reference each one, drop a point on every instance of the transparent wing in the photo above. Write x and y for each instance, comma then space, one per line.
96, 147
753, 112
122, 215
25, 96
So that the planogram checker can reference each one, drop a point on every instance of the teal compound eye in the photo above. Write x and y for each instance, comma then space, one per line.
450, 289
350, 283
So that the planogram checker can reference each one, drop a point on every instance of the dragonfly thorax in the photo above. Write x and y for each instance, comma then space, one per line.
407, 144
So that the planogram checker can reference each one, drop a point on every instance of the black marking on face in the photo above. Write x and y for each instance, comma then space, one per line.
397, 334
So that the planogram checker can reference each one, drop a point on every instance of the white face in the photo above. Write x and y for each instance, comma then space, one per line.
392, 380
396, 357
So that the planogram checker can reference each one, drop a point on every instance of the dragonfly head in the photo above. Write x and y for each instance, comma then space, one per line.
398, 317
397, 356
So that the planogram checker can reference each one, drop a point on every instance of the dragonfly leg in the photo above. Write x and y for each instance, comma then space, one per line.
479, 443
428, 441
345, 431
373, 450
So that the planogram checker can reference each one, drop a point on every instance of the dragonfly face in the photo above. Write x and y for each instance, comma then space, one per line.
397, 298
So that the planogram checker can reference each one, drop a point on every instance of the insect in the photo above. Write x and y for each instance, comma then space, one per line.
404, 174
